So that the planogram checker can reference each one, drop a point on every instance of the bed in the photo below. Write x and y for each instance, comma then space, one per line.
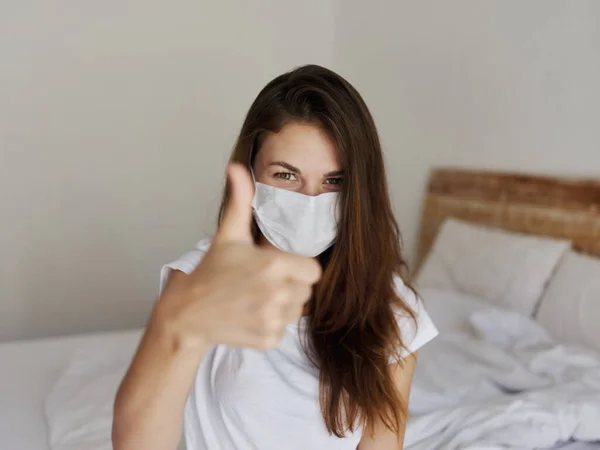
490, 209
29, 371
35, 375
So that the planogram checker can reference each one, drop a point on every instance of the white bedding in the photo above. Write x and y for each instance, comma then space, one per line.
578, 446
448, 388
29, 369
494, 379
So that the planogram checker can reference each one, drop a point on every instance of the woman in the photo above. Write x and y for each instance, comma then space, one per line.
340, 376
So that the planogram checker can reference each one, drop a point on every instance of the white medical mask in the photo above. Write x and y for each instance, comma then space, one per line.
296, 222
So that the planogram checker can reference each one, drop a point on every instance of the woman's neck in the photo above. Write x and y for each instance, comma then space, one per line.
263, 242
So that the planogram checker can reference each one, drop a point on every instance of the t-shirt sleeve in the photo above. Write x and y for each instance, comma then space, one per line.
418, 332
186, 263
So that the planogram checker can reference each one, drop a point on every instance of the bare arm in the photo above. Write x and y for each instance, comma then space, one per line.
383, 438
149, 406
239, 295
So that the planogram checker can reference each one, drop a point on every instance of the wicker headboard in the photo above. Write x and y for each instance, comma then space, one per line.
556, 207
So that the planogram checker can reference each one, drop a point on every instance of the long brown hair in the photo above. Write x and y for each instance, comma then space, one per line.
352, 333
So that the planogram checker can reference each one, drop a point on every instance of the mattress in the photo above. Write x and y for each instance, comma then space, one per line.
29, 370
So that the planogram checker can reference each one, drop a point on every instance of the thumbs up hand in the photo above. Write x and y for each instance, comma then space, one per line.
240, 294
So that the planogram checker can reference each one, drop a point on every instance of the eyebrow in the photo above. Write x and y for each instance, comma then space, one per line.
285, 166
291, 168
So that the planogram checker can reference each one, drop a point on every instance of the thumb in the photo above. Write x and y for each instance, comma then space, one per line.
237, 218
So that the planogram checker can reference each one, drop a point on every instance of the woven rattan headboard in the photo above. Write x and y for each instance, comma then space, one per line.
557, 207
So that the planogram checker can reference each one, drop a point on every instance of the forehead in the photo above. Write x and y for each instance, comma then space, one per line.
302, 145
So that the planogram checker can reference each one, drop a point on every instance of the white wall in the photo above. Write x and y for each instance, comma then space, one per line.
116, 119
499, 84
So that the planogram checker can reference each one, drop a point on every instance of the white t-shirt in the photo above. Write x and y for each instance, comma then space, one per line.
269, 400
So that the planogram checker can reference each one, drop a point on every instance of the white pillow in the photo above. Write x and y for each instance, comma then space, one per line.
570, 308
79, 407
508, 270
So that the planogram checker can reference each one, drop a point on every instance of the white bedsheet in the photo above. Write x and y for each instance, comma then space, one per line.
493, 379
29, 369
578, 446
79, 407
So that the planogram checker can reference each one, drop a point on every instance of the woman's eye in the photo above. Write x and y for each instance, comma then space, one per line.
287, 176
336, 181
